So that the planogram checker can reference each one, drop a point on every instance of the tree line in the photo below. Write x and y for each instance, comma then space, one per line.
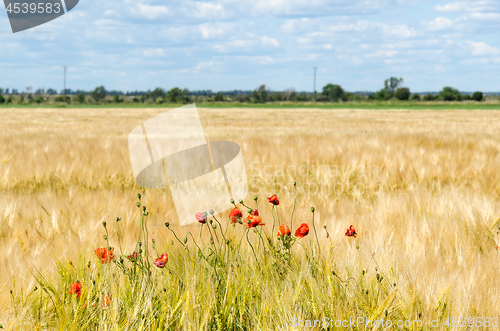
393, 90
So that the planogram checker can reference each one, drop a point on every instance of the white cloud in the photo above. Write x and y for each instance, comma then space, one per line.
151, 12
439, 23
269, 41
153, 52
480, 48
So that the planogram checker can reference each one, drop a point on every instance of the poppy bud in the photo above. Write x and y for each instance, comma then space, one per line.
215, 226
227, 242
211, 240
249, 210
140, 244
144, 208
185, 240
36, 288
211, 221
212, 212
118, 219
167, 224
104, 224
255, 197
138, 205
105, 237
324, 227
232, 201
294, 183
313, 209
241, 201
139, 196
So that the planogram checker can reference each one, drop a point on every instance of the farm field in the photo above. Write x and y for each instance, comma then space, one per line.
421, 187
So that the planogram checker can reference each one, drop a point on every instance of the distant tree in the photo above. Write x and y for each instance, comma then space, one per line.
402, 93
51, 91
392, 84
157, 93
430, 97
218, 97
277, 96
333, 92
450, 94
39, 99
301, 97
135, 100
159, 100
477, 96
98, 94
259, 95
176, 95
466, 97
80, 98
415, 97
2, 99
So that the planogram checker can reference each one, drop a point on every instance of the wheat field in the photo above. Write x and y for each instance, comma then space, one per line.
422, 189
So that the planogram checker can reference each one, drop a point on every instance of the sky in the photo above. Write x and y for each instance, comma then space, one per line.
238, 45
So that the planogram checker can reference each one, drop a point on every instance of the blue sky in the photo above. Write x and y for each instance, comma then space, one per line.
226, 45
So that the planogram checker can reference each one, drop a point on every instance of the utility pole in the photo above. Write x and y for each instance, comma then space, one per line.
64, 91
314, 94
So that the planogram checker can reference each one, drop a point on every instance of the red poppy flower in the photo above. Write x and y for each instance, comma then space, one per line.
201, 217
75, 288
351, 232
284, 231
253, 221
104, 254
273, 199
254, 212
161, 261
235, 215
302, 230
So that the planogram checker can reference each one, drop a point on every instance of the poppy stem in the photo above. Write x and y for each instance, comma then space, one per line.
274, 220
197, 246
294, 203
251, 247
220, 228
316, 234
177, 238
201, 239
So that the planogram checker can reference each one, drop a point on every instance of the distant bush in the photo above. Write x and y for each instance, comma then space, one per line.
9, 100
477, 96
39, 99
159, 100
430, 97
2, 99
450, 94
333, 92
415, 97
218, 97
135, 100
402, 93
80, 98
177, 95
116, 99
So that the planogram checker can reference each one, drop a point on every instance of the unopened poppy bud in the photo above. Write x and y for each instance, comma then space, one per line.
227, 242
139, 196
36, 288
138, 205
167, 224
118, 219
211, 221
104, 224
121, 260
294, 183
324, 227
249, 210
144, 208
232, 201
211, 240
140, 251
313, 209
212, 212
185, 240
140, 244
105, 237
255, 197
241, 201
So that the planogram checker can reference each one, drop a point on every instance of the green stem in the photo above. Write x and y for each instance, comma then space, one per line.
251, 247
316, 234
293, 210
